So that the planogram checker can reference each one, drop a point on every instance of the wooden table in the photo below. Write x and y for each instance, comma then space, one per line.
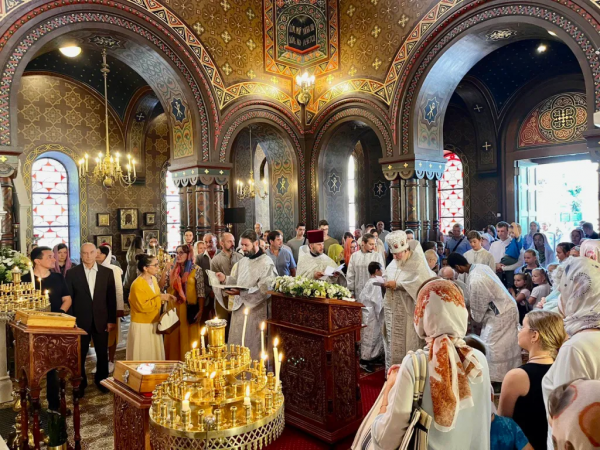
38, 350
320, 339
131, 416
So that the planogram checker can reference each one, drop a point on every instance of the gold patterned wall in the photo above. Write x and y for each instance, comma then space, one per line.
59, 114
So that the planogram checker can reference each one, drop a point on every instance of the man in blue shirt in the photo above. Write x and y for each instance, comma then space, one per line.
281, 256
458, 243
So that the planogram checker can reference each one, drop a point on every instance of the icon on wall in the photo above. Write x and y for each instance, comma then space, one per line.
104, 240
128, 219
149, 219
103, 219
126, 240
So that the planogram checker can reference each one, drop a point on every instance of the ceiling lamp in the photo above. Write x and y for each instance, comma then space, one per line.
244, 191
551, 33
108, 168
70, 51
306, 82
542, 48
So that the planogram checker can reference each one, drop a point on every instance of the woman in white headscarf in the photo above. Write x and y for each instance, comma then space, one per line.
457, 383
545, 252
404, 276
579, 286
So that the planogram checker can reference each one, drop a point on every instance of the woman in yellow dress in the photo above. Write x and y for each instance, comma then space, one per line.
186, 283
143, 343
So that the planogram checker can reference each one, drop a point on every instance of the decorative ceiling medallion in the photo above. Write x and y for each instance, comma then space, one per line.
178, 109
431, 109
282, 185
499, 35
334, 183
301, 34
105, 41
379, 189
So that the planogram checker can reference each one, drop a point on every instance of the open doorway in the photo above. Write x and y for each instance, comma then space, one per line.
558, 194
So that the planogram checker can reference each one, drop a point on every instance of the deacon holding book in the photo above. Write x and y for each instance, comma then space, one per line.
314, 262
254, 274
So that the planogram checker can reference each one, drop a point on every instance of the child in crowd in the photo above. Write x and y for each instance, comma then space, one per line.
550, 302
372, 316
542, 285
444, 262
441, 248
531, 259
478, 254
513, 250
521, 293
575, 251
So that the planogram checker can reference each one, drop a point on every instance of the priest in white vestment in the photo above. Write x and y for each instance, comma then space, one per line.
257, 272
314, 262
404, 276
496, 310
358, 268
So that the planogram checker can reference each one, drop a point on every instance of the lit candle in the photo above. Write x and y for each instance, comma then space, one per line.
40, 281
247, 397
185, 404
278, 370
202, 333
194, 350
133, 163
246, 311
262, 337
275, 352
86, 162
212, 382
264, 358
47, 294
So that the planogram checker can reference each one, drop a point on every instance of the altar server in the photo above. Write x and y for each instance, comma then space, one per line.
312, 263
358, 268
371, 295
256, 271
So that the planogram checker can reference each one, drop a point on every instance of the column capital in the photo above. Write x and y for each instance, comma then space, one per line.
204, 174
411, 167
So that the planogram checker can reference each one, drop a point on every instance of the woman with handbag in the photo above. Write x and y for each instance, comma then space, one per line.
186, 284
454, 392
145, 299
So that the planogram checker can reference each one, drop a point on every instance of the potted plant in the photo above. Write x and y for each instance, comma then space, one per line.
57, 431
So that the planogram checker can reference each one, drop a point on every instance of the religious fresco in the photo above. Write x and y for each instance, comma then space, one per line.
559, 119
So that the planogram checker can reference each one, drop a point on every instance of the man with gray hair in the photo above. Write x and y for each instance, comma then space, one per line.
458, 243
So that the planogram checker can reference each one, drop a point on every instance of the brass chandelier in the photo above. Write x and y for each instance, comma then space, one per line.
249, 190
108, 168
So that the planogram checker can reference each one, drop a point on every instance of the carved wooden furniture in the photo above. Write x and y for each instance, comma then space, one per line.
320, 339
132, 401
38, 350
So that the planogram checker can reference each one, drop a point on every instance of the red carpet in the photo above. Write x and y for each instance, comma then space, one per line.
295, 439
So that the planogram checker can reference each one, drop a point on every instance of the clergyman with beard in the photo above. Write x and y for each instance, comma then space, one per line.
314, 262
255, 271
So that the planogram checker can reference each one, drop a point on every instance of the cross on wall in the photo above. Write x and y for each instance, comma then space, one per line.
486, 146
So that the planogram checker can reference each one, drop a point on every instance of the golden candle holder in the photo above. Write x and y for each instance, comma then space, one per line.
17, 296
216, 382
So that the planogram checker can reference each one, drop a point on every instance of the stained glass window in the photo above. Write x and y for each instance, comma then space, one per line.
451, 193
173, 218
351, 194
50, 202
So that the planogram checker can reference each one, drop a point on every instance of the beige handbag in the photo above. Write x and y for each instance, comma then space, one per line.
168, 321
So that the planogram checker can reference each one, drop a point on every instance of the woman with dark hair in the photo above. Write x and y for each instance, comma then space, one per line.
562, 251
186, 284
577, 235
545, 252
63, 259
143, 343
491, 230
131, 273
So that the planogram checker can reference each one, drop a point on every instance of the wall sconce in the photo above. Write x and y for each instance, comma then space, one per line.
306, 82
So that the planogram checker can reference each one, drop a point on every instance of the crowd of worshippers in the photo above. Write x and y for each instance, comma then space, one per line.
479, 304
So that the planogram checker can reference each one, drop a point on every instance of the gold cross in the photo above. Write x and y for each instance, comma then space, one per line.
3, 158
390, 167
206, 171
405, 165
221, 172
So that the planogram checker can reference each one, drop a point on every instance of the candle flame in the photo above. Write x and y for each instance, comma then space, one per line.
246, 311
187, 396
275, 342
203, 331
213, 375
280, 357
194, 345
264, 356
46, 292
262, 326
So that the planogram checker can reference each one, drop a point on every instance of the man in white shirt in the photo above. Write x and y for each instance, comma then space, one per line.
498, 250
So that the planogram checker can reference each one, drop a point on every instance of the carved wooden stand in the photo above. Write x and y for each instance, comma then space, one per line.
320, 339
38, 350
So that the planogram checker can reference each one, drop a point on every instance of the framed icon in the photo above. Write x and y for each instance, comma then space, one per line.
147, 235
104, 240
128, 219
103, 219
149, 219
126, 240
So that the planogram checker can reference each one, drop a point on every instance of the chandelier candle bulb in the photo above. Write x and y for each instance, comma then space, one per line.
246, 311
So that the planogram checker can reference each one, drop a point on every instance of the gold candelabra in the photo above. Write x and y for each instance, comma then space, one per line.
21, 296
218, 398
250, 190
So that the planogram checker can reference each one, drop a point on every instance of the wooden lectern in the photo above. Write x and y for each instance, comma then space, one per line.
39, 349
320, 339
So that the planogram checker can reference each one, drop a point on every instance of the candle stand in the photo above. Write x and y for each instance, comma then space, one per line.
217, 398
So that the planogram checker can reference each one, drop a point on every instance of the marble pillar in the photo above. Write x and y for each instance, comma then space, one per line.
183, 210
413, 207
203, 224
218, 208
8, 236
395, 205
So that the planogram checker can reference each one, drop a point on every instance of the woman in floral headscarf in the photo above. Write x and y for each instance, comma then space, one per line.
457, 384
579, 286
575, 412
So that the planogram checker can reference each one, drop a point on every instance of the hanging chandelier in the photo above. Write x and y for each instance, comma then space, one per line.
108, 168
249, 190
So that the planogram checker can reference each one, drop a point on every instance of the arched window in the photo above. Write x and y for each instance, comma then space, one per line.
50, 202
351, 193
451, 193
173, 217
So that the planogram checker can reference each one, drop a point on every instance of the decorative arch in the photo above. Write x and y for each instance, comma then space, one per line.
45, 31
249, 116
426, 53
334, 120
67, 157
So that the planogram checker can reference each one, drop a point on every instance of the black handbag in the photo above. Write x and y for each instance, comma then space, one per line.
192, 312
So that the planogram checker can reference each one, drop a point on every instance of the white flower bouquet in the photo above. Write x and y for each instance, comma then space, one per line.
10, 258
305, 287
